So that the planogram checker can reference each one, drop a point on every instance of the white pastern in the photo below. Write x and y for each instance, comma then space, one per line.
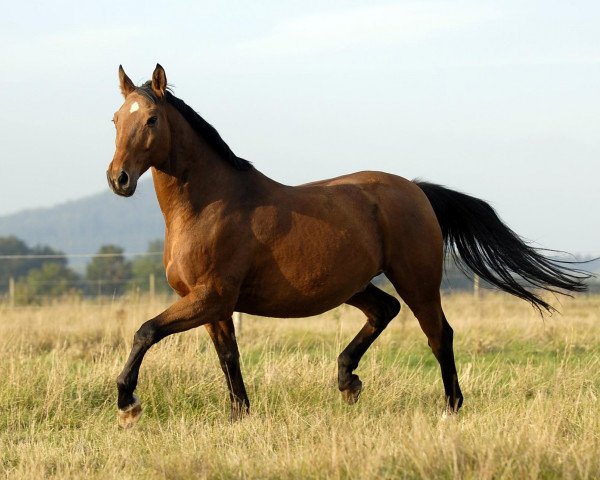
135, 106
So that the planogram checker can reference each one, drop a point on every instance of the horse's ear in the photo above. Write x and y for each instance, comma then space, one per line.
159, 81
125, 82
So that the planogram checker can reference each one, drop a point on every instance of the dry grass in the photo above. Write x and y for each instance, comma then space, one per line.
531, 397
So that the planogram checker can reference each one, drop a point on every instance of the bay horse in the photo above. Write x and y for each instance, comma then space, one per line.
236, 240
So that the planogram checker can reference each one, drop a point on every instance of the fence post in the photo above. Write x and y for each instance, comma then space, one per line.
237, 323
151, 286
11, 291
475, 285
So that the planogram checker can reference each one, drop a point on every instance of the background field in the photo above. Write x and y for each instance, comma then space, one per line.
531, 397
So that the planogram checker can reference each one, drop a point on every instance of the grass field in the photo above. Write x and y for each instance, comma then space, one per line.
531, 391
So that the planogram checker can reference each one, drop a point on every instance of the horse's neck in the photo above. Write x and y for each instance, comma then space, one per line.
194, 176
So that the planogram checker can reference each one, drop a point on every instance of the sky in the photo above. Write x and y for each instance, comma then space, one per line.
497, 99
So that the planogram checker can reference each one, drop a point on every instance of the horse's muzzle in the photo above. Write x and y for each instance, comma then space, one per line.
124, 185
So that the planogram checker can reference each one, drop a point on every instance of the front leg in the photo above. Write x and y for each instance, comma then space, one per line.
200, 306
223, 336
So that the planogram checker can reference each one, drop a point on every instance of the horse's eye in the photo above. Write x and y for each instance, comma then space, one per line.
151, 121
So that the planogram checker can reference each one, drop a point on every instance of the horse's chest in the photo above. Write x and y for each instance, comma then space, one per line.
175, 279
194, 257
183, 264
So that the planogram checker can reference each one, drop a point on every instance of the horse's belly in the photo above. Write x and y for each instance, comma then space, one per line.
289, 303
307, 282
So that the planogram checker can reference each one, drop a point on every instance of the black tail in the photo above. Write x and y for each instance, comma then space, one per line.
479, 240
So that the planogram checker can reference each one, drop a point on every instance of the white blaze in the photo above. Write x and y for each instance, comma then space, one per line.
135, 106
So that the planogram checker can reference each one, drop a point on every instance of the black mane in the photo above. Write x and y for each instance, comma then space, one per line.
200, 126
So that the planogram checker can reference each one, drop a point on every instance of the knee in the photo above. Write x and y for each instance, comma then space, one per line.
146, 336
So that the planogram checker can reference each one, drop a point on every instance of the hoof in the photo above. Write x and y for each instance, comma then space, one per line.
130, 415
238, 413
449, 413
351, 394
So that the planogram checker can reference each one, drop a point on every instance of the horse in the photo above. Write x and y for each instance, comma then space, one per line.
236, 240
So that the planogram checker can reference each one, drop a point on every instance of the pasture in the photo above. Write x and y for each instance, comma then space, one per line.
531, 387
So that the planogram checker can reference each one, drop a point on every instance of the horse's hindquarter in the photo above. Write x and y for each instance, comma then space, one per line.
316, 245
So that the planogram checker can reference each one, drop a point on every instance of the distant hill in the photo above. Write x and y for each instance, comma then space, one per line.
82, 226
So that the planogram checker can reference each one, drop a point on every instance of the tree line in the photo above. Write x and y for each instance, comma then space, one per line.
43, 272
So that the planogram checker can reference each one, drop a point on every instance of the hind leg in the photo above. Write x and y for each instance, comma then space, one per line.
380, 308
426, 306
414, 244
440, 338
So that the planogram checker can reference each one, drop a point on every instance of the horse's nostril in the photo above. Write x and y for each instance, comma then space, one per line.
123, 179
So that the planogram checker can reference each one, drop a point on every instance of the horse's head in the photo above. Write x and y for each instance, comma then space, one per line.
143, 135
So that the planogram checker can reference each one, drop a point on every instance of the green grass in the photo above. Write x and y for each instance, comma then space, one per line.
531, 391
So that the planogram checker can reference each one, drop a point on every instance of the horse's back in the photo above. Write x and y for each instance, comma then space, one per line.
404, 212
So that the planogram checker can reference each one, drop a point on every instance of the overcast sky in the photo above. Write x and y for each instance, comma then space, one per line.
498, 99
